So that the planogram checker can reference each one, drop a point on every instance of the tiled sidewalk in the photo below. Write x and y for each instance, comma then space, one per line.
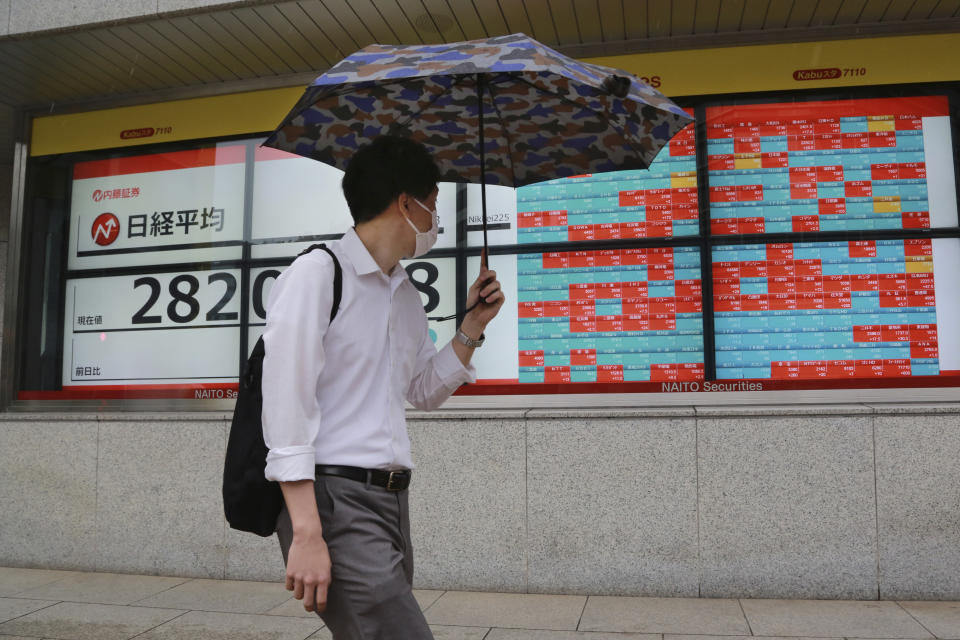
99, 606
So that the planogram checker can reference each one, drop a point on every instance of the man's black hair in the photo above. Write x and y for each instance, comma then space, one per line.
382, 170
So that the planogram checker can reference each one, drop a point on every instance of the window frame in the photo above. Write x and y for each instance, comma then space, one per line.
523, 394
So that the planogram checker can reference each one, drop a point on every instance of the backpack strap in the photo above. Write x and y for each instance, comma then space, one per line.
337, 276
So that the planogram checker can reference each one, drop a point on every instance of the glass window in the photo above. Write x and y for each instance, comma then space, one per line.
612, 315
826, 310
788, 244
838, 165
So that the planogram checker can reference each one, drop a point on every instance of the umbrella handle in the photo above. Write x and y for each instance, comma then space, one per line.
453, 316
480, 299
483, 172
483, 201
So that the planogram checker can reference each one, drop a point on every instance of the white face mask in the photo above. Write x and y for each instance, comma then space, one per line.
425, 239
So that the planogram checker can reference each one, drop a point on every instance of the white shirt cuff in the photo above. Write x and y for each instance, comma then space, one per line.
450, 370
289, 464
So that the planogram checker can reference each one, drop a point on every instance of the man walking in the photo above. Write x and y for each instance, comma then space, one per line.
334, 392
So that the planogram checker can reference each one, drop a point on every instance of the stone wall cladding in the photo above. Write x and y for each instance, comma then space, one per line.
829, 501
21, 17
3, 284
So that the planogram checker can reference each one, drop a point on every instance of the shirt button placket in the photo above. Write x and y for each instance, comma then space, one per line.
392, 417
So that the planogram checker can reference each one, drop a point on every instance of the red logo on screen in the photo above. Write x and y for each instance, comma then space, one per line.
105, 229
816, 74
113, 194
129, 134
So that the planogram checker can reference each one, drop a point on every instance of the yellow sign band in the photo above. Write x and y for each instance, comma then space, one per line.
774, 67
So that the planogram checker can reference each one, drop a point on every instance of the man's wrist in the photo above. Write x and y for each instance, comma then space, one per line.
307, 530
313, 535
301, 504
471, 329
467, 341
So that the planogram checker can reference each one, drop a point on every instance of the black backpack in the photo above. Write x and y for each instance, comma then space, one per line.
250, 501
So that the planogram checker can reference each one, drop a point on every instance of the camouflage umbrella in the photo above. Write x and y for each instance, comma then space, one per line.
543, 115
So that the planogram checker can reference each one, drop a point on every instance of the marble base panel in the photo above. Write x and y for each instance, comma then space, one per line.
468, 504
250, 557
851, 502
787, 507
612, 506
48, 494
159, 505
918, 504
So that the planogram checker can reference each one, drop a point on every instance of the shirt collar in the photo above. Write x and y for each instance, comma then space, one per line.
363, 263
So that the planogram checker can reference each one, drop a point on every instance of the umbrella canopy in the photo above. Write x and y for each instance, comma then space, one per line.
543, 115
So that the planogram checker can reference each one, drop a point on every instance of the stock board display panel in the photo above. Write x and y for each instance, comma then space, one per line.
659, 202
434, 279
859, 309
164, 318
622, 315
619, 315
298, 201
831, 166
150, 324
161, 208
157, 328
171, 227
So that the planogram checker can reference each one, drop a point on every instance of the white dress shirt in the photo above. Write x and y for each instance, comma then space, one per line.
333, 393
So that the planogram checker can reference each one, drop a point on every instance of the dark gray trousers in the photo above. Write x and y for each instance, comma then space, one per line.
367, 531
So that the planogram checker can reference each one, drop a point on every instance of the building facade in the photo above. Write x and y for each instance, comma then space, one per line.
733, 374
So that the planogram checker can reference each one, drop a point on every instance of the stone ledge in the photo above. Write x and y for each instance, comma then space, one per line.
127, 416
57, 414
613, 412
467, 414
179, 416
44, 416
802, 410
917, 408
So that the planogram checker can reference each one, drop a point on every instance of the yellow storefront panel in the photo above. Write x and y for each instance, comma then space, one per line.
799, 66
211, 117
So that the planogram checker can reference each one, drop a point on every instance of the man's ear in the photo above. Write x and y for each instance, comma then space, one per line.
394, 207
403, 203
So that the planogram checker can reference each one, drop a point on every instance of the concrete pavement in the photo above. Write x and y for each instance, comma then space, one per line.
68, 605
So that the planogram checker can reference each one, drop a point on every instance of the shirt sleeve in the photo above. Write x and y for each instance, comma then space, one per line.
298, 314
437, 374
